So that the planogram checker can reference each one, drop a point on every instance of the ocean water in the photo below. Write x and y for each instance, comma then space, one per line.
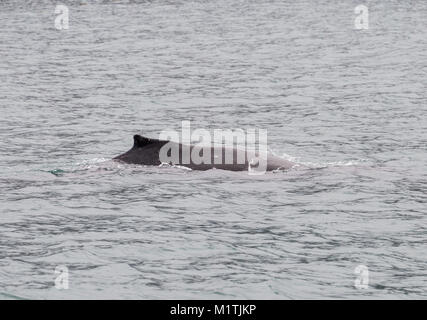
350, 105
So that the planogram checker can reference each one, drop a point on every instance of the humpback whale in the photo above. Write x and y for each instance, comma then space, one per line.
148, 151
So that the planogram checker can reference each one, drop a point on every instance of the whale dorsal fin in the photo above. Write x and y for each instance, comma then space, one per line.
140, 141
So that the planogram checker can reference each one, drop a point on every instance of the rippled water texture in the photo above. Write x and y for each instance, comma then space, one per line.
349, 104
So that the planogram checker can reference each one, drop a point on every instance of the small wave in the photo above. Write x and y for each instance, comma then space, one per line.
57, 172
91, 162
167, 165
104, 164
8, 296
94, 164
320, 165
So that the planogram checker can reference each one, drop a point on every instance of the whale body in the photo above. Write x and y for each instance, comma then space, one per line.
147, 151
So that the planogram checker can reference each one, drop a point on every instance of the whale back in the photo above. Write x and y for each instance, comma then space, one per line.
141, 142
146, 151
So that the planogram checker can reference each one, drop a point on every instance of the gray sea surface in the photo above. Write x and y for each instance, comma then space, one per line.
349, 105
